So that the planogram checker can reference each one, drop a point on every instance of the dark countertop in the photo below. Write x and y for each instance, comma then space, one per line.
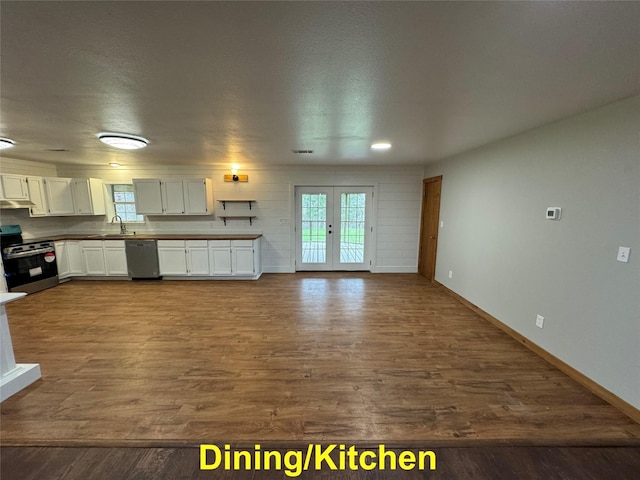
150, 236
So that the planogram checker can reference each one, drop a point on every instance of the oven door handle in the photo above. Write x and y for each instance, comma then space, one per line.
29, 253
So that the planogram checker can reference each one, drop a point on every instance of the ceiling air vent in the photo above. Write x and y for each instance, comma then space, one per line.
302, 151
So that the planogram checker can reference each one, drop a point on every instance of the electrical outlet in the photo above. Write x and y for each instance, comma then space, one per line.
450, 274
539, 321
623, 254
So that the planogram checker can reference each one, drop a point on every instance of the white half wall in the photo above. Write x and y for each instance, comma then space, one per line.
510, 261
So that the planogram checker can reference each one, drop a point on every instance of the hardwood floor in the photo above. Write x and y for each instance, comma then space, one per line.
351, 357
478, 463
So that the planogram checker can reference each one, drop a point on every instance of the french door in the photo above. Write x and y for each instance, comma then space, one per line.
332, 228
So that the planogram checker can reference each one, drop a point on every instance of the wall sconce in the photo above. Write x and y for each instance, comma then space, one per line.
235, 177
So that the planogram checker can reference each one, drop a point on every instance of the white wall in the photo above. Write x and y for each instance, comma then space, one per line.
396, 223
513, 263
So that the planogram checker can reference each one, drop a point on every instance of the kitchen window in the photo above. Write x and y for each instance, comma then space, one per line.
124, 203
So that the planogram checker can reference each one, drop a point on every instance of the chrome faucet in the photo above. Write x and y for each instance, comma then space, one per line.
123, 227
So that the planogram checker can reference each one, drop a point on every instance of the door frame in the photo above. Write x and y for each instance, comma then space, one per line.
373, 223
423, 221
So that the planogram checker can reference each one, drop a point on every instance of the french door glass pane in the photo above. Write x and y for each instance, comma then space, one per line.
314, 228
352, 227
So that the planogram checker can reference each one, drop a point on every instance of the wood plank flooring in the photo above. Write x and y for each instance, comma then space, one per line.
478, 463
351, 357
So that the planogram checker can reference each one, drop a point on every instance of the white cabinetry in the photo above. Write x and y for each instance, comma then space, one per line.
172, 257
37, 196
242, 257
93, 257
62, 259
74, 257
173, 196
59, 196
115, 257
236, 258
13, 187
148, 196
180, 257
88, 196
198, 196
220, 257
197, 258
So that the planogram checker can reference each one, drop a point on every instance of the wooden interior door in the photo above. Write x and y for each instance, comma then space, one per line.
429, 227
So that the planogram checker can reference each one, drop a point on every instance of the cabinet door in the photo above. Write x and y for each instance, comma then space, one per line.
198, 196
74, 256
59, 196
93, 256
81, 196
62, 259
220, 260
115, 257
242, 260
148, 196
172, 260
172, 197
35, 185
198, 260
14, 187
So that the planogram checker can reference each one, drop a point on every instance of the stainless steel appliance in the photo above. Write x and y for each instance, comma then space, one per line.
28, 266
142, 258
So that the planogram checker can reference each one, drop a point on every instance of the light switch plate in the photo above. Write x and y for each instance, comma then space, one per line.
539, 321
623, 254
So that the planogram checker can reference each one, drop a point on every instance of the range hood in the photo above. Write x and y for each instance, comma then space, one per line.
16, 204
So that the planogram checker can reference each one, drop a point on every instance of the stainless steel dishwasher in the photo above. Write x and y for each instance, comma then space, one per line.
142, 258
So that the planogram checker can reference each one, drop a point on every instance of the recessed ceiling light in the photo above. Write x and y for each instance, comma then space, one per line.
114, 164
123, 140
381, 146
6, 143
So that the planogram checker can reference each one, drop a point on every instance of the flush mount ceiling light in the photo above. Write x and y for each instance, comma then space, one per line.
123, 140
6, 143
114, 164
381, 146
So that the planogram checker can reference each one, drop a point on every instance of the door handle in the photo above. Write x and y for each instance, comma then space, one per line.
432, 237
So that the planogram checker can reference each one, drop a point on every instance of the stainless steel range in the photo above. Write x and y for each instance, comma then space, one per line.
28, 266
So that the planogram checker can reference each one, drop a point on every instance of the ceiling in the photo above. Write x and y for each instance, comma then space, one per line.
215, 83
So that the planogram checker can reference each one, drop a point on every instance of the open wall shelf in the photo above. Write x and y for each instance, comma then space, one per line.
224, 203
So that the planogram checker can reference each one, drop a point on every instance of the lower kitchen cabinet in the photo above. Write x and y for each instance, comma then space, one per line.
115, 258
177, 258
93, 257
74, 256
62, 259
220, 257
172, 257
197, 258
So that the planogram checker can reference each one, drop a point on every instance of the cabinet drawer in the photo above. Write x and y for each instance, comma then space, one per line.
242, 243
91, 243
197, 243
171, 243
219, 243
114, 243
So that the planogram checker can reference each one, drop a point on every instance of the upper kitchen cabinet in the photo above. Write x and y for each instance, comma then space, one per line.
13, 187
59, 196
37, 196
173, 196
73, 196
148, 196
198, 196
88, 196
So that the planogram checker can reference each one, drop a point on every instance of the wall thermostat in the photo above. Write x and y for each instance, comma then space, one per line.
554, 213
